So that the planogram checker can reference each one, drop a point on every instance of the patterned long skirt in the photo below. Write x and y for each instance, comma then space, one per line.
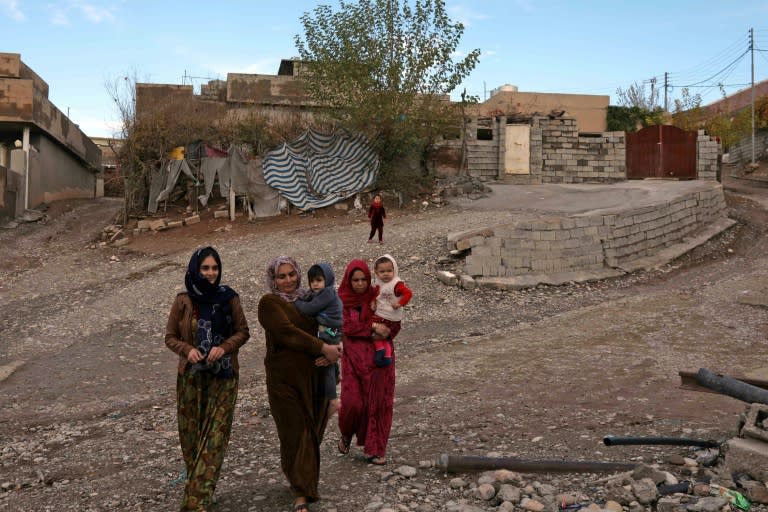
206, 407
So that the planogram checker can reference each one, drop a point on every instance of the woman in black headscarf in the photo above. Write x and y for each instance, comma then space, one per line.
206, 327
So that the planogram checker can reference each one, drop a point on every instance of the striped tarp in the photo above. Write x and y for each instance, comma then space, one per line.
318, 170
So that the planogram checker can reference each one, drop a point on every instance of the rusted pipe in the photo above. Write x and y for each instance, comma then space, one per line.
462, 463
674, 441
732, 387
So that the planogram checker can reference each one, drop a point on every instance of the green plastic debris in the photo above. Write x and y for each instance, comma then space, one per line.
735, 498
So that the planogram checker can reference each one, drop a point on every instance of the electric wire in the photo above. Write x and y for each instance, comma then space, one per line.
727, 69
716, 61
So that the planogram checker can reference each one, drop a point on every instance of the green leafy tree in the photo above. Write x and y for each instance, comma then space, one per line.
631, 119
383, 68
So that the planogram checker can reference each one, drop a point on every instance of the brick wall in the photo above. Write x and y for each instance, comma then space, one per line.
586, 243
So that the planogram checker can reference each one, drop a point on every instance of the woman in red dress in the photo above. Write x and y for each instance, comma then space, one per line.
367, 391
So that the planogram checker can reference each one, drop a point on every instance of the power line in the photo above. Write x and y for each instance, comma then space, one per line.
727, 68
714, 62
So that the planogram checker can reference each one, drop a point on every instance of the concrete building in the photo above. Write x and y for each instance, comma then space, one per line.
44, 157
589, 110
113, 180
276, 97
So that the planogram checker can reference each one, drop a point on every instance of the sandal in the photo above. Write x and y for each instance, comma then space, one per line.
376, 460
344, 445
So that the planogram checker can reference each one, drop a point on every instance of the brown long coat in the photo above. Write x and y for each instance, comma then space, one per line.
180, 334
295, 388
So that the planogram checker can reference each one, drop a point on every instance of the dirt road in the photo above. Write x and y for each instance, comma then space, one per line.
87, 417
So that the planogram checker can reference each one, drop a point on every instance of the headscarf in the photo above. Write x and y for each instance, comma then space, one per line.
395, 270
272, 272
349, 297
214, 314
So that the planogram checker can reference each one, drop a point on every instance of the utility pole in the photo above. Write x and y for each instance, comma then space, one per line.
752, 49
666, 87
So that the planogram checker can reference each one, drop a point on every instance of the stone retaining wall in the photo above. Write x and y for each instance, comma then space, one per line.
586, 243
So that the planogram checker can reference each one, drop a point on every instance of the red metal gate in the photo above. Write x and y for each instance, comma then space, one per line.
661, 151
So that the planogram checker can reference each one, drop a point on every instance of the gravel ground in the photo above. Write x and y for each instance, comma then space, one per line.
88, 415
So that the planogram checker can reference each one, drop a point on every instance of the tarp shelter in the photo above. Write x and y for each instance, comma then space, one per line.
234, 170
165, 179
245, 176
318, 170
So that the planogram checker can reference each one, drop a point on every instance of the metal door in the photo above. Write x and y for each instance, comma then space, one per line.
517, 149
661, 151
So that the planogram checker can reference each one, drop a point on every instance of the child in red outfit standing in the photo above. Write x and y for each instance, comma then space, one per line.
393, 295
377, 214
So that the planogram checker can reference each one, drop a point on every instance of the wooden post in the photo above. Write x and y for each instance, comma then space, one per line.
231, 202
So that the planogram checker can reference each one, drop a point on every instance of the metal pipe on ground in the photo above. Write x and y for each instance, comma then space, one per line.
688, 381
732, 387
672, 441
463, 463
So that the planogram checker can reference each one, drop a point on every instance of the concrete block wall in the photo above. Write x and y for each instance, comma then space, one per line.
568, 157
266, 90
707, 152
483, 159
483, 155
536, 162
585, 243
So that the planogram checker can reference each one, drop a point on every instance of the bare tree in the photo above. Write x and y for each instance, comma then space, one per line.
636, 96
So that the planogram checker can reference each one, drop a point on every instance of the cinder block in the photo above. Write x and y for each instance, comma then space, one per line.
448, 278
218, 214
144, 224
750, 456
467, 282
157, 225
753, 425
175, 224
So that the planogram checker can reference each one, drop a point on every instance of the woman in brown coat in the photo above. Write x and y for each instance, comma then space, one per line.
206, 327
295, 384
